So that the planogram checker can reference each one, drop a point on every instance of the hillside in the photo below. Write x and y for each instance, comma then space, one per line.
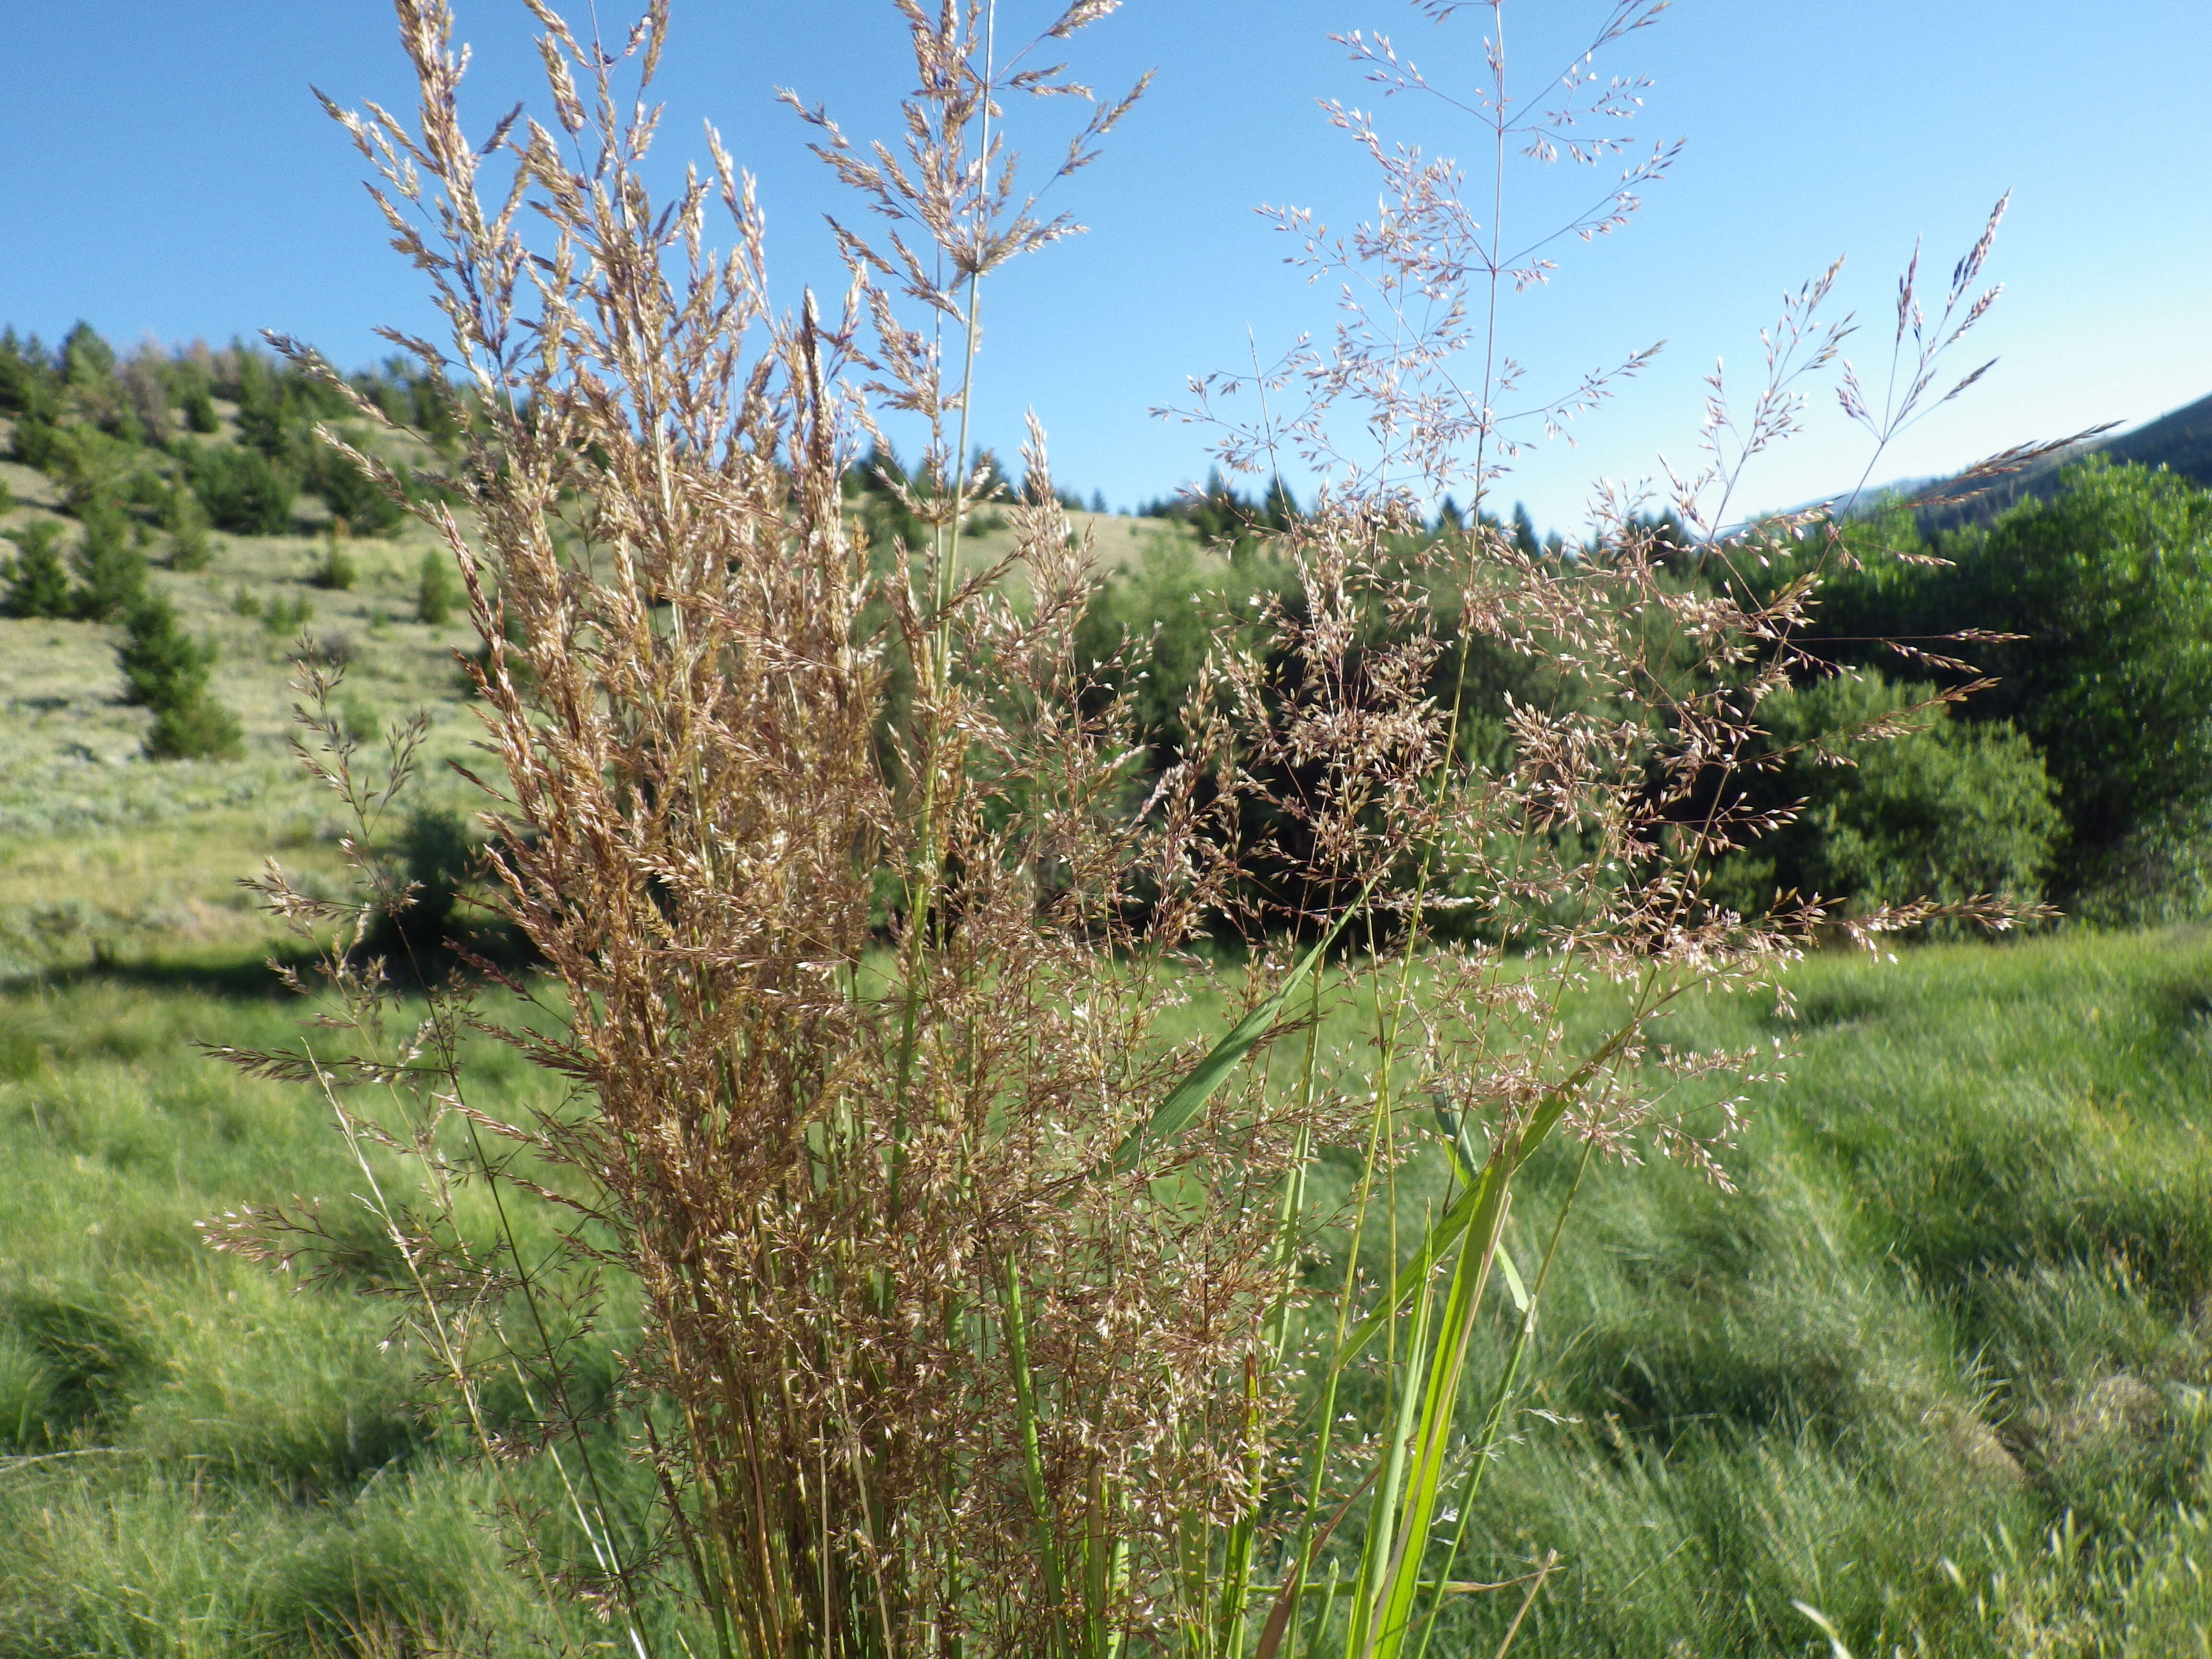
2180, 441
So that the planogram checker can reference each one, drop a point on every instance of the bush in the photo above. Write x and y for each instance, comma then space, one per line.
360, 719
37, 584
282, 616
438, 859
204, 730
199, 411
357, 500
167, 673
435, 589
2110, 583
1958, 808
111, 571
191, 546
336, 572
243, 490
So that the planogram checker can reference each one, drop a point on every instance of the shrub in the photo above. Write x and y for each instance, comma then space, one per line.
243, 491
2109, 584
282, 616
200, 412
201, 730
1953, 809
111, 572
190, 547
355, 500
360, 720
436, 592
438, 860
337, 571
38, 583
165, 671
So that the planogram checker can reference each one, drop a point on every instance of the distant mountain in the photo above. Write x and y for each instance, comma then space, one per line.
2180, 441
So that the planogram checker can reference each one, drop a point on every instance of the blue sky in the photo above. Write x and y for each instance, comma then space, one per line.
166, 173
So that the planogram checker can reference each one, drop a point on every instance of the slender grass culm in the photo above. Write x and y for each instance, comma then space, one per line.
971, 1309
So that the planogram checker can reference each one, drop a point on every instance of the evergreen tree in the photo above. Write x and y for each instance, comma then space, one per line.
37, 584
86, 360
111, 573
187, 521
165, 671
1524, 531
433, 592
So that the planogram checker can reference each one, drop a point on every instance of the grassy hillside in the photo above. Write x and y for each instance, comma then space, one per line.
1939, 1367
102, 850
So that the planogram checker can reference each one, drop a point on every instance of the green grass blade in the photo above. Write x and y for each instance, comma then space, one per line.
1187, 1098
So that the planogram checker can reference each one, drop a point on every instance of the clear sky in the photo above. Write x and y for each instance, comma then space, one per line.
164, 171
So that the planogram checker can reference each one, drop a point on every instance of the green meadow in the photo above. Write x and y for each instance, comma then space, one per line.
1939, 1368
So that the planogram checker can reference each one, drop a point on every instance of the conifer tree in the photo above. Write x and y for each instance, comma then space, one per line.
111, 572
166, 672
37, 584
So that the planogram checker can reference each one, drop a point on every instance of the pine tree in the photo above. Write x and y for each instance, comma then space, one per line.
111, 573
165, 671
191, 546
1524, 531
37, 584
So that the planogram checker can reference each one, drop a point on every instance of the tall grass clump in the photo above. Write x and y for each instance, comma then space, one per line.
1012, 1276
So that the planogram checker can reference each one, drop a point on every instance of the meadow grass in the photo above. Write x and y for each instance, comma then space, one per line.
1938, 1368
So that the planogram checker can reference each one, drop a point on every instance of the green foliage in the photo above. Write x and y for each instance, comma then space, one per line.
1945, 1306
436, 590
38, 583
200, 412
2111, 583
165, 671
243, 491
282, 616
439, 859
162, 667
86, 359
111, 571
191, 546
30, 387
355, 500
359, 718
1954, 809
337, 571
200, 730
1224, 519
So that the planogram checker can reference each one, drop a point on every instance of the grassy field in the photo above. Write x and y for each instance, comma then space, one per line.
1939, 1369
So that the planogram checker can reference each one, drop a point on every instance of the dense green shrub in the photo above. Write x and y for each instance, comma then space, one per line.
436, 592
357, 500
111, 570
191, 546
242, 489
29, 387
168, 672
282, 616
2110, 583
38, 583
336, 570
1957, 808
